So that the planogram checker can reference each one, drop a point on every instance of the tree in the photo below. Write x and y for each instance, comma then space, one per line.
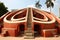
3, 9
49, 3
38, 5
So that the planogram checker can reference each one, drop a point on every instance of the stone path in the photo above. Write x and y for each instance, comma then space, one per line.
22, 38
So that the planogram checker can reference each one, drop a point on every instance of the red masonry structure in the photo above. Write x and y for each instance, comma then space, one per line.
39, 21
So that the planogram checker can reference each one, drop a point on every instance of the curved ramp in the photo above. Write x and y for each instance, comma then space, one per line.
28, 17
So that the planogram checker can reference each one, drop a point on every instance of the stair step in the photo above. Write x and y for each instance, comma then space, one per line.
29, 34
28, 31
29, 37
30, 28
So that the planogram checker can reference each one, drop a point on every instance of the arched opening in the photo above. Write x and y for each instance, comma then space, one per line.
22, 28
21, 15
38, 15
36, 30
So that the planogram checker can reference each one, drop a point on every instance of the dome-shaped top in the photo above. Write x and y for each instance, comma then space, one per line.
37, 15
30, 18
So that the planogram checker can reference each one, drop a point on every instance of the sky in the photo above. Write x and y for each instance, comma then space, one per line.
19, 4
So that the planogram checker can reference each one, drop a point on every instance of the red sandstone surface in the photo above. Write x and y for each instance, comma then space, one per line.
14, 22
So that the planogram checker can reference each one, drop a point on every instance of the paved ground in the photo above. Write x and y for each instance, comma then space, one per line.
22, 38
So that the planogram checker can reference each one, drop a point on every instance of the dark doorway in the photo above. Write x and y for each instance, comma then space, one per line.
22, 28
36, 30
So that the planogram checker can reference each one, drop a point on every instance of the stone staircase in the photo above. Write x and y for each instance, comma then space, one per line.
28, 33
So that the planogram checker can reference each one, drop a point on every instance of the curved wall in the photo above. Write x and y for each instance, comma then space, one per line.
15, 22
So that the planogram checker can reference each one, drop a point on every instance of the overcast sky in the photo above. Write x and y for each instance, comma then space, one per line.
17, 4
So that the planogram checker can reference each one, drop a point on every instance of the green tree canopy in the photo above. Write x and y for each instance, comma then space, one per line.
3, 9
49, 3
37, 4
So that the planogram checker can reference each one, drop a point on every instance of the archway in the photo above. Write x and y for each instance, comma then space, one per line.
22, 28
36, 30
